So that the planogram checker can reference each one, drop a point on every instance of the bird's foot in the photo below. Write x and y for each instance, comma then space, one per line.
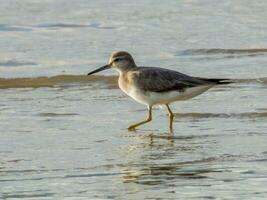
131, 128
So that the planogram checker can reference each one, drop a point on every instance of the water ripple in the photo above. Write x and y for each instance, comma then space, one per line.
7, 27
68, 25
15, 63
24, 196
56, 114
222, 51
52, 26
222, 115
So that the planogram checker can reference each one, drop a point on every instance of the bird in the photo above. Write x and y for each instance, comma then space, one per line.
152, 86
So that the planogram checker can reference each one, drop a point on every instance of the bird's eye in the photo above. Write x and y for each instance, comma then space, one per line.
117, 59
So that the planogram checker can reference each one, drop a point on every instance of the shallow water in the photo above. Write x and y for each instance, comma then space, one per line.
64, 136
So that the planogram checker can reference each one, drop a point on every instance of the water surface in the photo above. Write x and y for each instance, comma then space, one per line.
63, 134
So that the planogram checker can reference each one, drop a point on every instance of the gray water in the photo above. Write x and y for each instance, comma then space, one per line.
64, 135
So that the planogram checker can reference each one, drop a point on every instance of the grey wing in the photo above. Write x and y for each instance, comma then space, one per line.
164, 80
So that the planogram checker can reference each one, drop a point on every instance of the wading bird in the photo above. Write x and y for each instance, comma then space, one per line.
155, 86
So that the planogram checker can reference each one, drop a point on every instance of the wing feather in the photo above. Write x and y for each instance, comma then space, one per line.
164, 80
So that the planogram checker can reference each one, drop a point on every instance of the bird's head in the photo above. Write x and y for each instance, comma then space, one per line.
120, 60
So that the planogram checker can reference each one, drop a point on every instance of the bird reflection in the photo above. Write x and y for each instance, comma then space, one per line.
159, 158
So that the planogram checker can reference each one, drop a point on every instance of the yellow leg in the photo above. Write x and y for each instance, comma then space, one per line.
148, 119
171, 116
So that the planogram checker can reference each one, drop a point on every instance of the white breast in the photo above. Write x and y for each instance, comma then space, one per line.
133, 92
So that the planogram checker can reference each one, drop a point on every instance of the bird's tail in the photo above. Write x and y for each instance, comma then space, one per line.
218, 80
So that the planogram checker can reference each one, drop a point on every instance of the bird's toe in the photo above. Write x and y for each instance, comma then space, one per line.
131, 128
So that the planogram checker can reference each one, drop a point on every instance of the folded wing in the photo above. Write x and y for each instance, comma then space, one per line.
164, 80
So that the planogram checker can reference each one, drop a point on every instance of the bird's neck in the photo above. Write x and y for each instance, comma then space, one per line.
126, 69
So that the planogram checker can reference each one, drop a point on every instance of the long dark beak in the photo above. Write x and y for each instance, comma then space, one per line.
99, 69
